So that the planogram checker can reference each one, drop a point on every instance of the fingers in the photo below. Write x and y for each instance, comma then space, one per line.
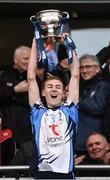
33, 54
79, 159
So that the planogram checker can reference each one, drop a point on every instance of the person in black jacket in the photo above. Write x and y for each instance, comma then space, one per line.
104, 58
98, 153
14, 105
94, 92
62, 69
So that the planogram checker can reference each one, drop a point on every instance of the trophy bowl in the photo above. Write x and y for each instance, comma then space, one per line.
50, 21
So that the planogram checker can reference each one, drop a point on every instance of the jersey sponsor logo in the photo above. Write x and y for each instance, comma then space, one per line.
53, 127
54, 141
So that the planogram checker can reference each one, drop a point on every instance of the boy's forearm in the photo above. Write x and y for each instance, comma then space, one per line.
74, 80
32, 65
33, 89
74, 66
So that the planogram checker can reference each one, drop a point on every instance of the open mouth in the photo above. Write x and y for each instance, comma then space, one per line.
53, 96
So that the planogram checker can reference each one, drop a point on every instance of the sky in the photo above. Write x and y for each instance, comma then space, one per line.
90, 40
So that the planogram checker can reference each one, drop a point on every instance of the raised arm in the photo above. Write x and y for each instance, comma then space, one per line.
74, 81
33, 89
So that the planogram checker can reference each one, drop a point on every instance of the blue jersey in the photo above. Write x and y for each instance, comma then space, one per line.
54, 131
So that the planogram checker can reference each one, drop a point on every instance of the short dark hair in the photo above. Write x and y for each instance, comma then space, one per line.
62, 52
51, 77
104, 54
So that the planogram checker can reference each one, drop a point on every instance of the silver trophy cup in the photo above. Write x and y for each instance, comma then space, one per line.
50, 22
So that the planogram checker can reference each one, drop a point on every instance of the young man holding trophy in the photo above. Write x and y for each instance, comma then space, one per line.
54, 124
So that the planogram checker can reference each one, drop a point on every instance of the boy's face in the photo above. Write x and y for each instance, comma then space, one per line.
53, 92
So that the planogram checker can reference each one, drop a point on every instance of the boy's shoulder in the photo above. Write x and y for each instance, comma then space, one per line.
68, 102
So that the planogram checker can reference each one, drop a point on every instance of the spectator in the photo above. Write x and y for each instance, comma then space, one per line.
40, 71
106, 121
98, 152
14, 105
104, 58
7, 145
94, 92
51, 55
98, 148
54, 125
62, 69
0, 145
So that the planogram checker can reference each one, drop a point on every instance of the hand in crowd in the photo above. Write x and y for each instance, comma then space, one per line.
61, 37
21, 87
79, 159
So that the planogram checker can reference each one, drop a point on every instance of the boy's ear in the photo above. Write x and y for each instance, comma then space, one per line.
43, 92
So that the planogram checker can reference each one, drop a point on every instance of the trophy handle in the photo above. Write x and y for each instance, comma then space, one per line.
32, 18
66, 13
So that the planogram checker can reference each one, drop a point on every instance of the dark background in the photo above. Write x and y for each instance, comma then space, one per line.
16, 28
